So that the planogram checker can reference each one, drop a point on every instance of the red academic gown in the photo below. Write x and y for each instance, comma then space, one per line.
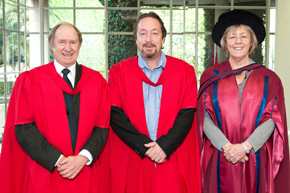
38, 97
267, 171
128, 172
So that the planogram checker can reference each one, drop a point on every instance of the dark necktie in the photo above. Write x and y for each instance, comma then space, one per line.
69, 101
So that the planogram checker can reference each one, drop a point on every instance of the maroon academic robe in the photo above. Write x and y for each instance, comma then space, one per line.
38, 97
129, 173
267, 171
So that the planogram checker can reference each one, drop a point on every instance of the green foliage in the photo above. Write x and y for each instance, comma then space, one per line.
118, 3
121, 47
11, 38
209, 19
10, 85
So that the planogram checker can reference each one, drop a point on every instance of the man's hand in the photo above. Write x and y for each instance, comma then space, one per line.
70, 167
155, 153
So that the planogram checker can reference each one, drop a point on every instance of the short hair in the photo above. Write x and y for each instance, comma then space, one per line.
154, 16
254, 40
53, 31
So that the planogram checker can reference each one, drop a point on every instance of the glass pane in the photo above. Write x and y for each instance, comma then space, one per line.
114, 3
2, 101
11, 51
92, 52
33, 57
82, 3
2, 104
218, 12
58, 15
11, 1
177, 46
153, 3
10, 78
2, 78
206, 19
273, 3
32, 20
176, 3
62, 3
205, 50
1, 51
10, 81
166, 45
51, 56
11, 16
221, 57
22, 18
259, 54
120, 47
94, 22
250, 3
271, 51
190, 19
214, 2
163, 14
1, 15
121, 20
47, 50
189, 45
177, 23
22, 52
30, 3
190, 2
22, 2
272, 20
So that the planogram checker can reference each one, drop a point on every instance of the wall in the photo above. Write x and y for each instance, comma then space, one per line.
282, 51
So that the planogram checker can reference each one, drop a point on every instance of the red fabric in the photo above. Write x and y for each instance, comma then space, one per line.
274, 154
38, 97
128, 172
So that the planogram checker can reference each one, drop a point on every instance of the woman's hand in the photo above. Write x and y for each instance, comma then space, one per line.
244, 159
235, 153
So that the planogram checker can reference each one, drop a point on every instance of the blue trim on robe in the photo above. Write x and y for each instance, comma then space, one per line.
217, 112
273, 106
225, 74
262, 107
218, 116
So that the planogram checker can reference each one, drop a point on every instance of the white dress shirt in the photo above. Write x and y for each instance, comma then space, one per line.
71, 76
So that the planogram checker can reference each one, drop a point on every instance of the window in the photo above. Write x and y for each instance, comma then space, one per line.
107, 32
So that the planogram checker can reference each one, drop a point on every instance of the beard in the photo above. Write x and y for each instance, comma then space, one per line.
149, 54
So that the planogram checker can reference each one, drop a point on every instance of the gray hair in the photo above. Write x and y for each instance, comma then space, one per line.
53, 31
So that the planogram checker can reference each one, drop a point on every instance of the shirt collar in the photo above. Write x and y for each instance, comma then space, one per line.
59, 68
161, 63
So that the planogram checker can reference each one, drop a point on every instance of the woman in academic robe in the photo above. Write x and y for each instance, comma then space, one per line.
241, 115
